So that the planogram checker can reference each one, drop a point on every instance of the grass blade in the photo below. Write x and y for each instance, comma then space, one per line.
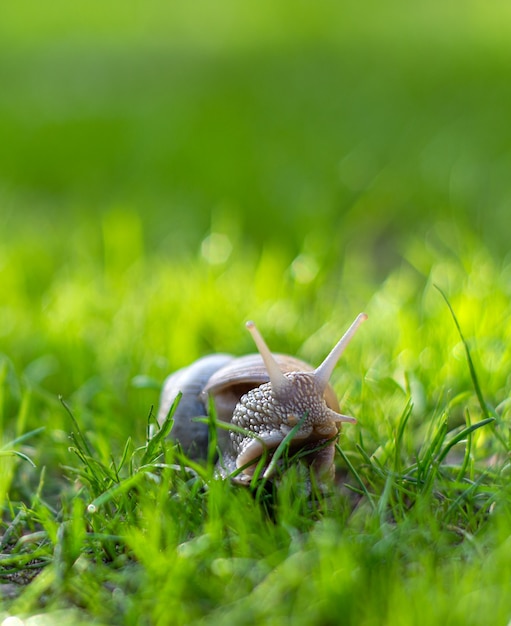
473, 373
282, 447
154, 443
79, 438
120, 488
356, 475
462, 435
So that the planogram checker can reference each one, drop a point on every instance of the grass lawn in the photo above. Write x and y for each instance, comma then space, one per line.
168, 172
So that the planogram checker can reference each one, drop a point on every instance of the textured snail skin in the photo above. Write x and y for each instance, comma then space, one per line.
271, 419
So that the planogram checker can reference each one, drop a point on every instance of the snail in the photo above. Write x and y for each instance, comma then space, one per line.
264, 396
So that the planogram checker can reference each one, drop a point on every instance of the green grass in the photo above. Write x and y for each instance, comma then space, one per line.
166, 176
109, 517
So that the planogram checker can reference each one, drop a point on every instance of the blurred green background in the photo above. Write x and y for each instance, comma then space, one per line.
328, 124
168, 169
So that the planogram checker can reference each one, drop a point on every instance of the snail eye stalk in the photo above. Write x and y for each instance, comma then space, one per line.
324, 371
280, 384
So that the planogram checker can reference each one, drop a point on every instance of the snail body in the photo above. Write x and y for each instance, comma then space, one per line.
264, 396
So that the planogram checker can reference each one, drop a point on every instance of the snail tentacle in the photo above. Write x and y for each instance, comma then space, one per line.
324, 371
279, 383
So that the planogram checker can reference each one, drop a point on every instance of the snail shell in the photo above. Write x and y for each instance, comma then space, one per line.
266, 395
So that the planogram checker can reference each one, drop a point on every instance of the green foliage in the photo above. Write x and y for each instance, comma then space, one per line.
167, 174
